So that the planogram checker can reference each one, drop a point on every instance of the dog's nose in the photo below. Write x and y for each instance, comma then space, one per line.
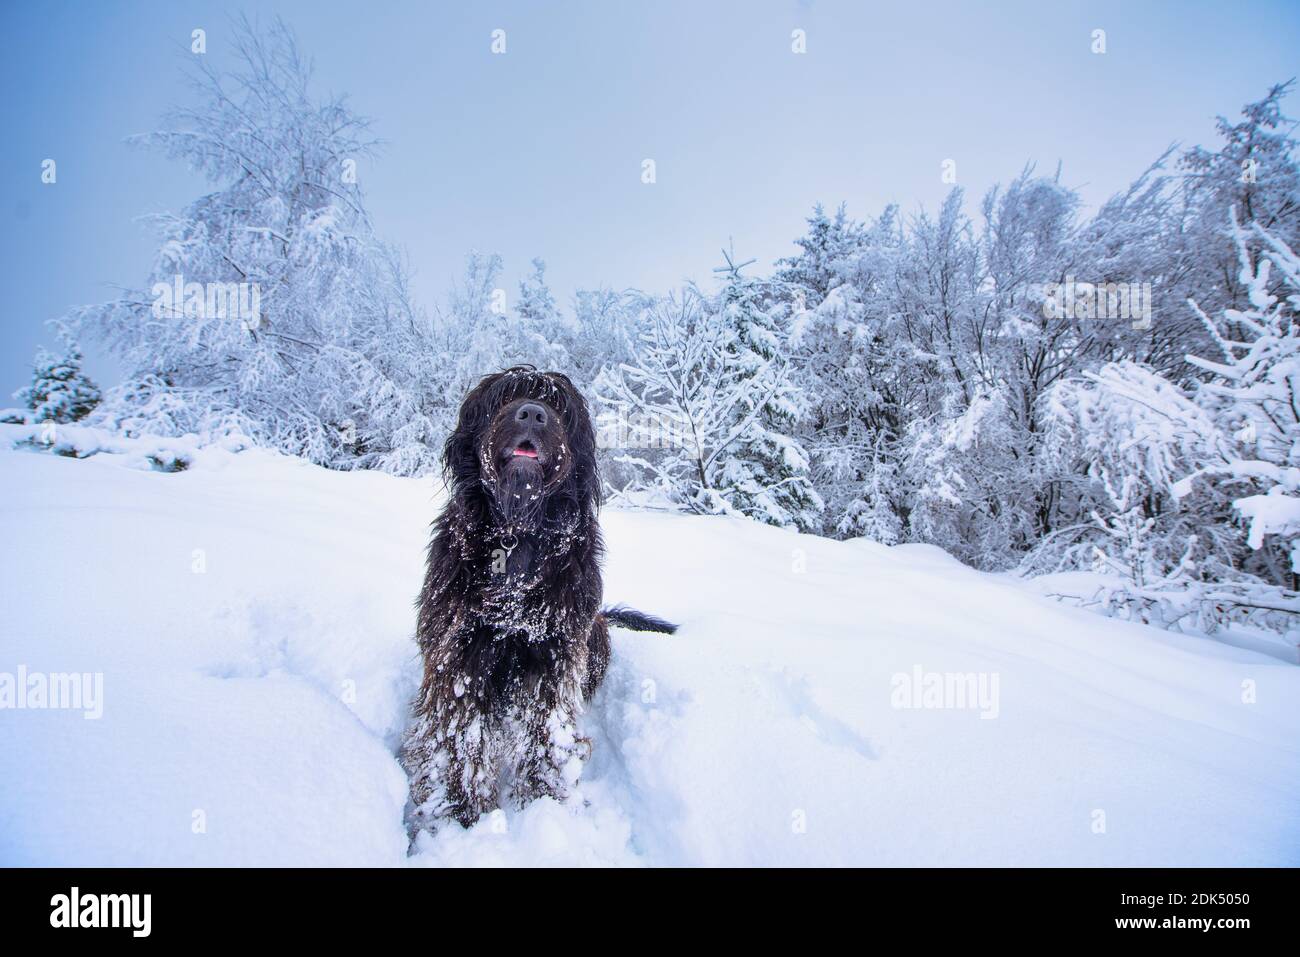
532, 414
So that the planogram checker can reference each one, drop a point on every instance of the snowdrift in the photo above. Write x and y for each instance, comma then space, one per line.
823, 703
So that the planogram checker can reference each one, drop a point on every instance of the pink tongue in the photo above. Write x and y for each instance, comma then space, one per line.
528, 452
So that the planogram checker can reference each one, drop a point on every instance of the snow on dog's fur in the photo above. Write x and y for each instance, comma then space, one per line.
509, 624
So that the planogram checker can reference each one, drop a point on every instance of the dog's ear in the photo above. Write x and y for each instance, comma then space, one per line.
582, 439
460, 462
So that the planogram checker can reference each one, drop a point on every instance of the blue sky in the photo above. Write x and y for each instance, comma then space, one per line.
538, 152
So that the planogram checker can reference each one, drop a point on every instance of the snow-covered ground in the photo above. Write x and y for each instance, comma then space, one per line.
251, 618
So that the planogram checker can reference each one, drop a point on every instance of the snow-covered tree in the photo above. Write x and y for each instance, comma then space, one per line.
60, 390
1118, 441
964, 467
541, 334
768, 469
825, 252
854, 368
655, 416
1252, 172
1193, 492
692, 404
1253, 394
471, 336
605, 324
272, 308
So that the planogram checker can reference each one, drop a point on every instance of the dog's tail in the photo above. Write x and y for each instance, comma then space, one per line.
635, 620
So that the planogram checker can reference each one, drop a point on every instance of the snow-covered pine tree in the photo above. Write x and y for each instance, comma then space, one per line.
272, 308
1252, 172
825, 252
60, 390
540, 334
768, 468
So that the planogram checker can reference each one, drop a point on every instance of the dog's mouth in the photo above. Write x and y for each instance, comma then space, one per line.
524, 453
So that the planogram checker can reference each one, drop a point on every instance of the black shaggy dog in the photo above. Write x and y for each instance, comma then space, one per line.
510, 625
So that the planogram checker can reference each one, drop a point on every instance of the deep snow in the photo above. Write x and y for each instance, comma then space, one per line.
252, 620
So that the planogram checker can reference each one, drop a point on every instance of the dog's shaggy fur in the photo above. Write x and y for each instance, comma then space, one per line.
509, 624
